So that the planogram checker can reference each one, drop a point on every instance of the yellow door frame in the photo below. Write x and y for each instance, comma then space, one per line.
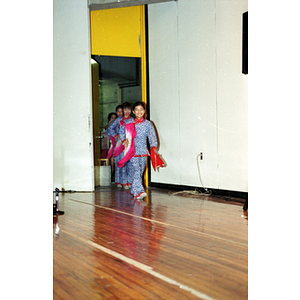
144, 74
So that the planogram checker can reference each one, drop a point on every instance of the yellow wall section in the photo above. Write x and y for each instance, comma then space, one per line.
116, 32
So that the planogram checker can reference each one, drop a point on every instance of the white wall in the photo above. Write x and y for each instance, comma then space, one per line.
197, 91
72, 110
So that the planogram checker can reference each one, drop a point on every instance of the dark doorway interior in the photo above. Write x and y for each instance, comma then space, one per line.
119, 82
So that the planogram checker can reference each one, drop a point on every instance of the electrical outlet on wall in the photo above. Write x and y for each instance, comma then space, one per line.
201, 155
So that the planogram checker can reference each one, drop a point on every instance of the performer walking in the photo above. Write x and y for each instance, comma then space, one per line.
122, 175
134, 136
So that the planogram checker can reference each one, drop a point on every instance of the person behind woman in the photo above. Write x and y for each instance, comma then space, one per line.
112, 132
111, 117
119, 110
122, 175
126, 170
143, 130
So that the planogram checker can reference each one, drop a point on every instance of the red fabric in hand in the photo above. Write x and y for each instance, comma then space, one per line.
129, 152
155, 159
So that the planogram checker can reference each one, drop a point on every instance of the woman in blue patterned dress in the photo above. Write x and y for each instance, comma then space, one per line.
122, 175
126, 171
144, 129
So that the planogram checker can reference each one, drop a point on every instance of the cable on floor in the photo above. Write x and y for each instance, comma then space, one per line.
195, 192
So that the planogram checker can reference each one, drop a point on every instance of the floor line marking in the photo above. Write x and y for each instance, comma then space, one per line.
159, 222
142, 267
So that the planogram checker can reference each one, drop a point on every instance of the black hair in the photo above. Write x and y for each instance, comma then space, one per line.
109, 115
119, 106
126, 105
139, 103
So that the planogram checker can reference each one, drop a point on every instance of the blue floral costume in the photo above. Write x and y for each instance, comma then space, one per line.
144, 129
127, 170
122, 175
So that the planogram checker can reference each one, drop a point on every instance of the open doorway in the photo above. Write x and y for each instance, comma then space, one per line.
118, 47
119, 81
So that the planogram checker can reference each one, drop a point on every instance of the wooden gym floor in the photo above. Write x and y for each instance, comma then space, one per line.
166, 247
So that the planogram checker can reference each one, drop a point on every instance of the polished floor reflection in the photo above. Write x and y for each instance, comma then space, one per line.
108, 246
